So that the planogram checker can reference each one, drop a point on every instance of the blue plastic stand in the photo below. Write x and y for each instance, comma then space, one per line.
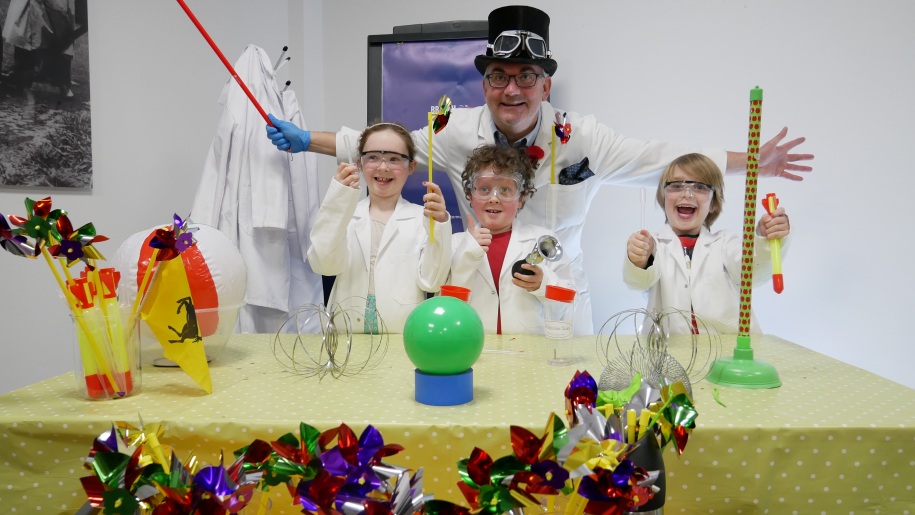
444, 390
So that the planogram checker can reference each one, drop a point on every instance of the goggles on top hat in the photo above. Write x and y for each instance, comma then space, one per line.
511, 43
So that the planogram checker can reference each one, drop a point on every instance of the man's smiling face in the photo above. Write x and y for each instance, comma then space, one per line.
515, 110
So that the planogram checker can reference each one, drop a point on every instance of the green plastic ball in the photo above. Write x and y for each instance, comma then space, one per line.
443, 336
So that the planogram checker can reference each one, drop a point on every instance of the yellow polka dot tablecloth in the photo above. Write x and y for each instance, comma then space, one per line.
832, 439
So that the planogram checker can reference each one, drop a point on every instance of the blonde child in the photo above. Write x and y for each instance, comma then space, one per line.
688, 267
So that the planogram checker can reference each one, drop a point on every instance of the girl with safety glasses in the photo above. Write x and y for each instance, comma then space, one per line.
379, 247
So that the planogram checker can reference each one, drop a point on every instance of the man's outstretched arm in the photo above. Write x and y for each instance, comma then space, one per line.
774, 160
288, 136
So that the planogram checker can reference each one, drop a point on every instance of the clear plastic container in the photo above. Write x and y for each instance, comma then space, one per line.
107, 353
558, 316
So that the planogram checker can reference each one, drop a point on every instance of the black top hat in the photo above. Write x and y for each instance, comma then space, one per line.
518, 18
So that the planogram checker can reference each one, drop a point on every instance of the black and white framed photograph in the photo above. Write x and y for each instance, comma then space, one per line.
45, 123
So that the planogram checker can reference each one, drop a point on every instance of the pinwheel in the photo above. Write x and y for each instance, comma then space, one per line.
444, 113
482, 484
515, 481
540, 476
679, 415
168, 243
616, 491
76, 245
352, 471
562, 130
41, 221
582, 390
14, 243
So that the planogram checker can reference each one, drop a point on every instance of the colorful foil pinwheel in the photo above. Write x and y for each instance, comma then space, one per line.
562, 128
173, 240
131, 473
76, 244
13, 242
40, 222
444, 113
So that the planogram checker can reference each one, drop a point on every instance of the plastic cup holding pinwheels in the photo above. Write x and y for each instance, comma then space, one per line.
107, 347
443, 337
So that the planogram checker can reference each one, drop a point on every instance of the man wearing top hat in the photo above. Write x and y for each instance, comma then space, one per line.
517, 71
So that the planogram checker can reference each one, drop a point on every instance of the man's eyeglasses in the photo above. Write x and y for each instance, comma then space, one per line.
506, 187
523, 80
509, 42
697, 188
394, 160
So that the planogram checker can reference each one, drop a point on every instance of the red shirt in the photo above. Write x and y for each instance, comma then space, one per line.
689, 243
496, 256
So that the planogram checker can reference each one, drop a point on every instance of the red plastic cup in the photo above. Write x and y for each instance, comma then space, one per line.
450, 290
558, 293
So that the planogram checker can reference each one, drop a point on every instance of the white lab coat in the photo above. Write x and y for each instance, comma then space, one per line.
406, 267
709, 282
614, 158
247, 191
522, 311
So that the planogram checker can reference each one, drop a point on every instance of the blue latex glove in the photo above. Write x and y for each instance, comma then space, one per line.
286, 136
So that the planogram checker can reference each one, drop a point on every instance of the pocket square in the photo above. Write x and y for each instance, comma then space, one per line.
575, 173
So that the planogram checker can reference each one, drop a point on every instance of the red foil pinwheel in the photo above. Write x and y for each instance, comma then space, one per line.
171, 241
444, 113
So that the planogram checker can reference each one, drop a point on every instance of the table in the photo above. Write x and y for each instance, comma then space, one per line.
832, 439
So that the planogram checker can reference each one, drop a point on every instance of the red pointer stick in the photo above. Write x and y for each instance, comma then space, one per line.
225, 61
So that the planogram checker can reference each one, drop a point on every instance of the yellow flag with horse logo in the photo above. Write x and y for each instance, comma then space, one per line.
169, 312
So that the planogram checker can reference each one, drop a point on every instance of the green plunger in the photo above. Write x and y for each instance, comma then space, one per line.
742, 371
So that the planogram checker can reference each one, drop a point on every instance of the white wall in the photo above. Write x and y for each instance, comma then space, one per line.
837, 72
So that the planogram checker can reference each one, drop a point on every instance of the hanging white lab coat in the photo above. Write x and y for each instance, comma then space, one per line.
406, 267
522, 311
614, 158
708, 283
305, 287
247, 192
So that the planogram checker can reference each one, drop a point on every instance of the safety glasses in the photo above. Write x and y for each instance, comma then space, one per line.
678, 187
506, 187
394, 160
